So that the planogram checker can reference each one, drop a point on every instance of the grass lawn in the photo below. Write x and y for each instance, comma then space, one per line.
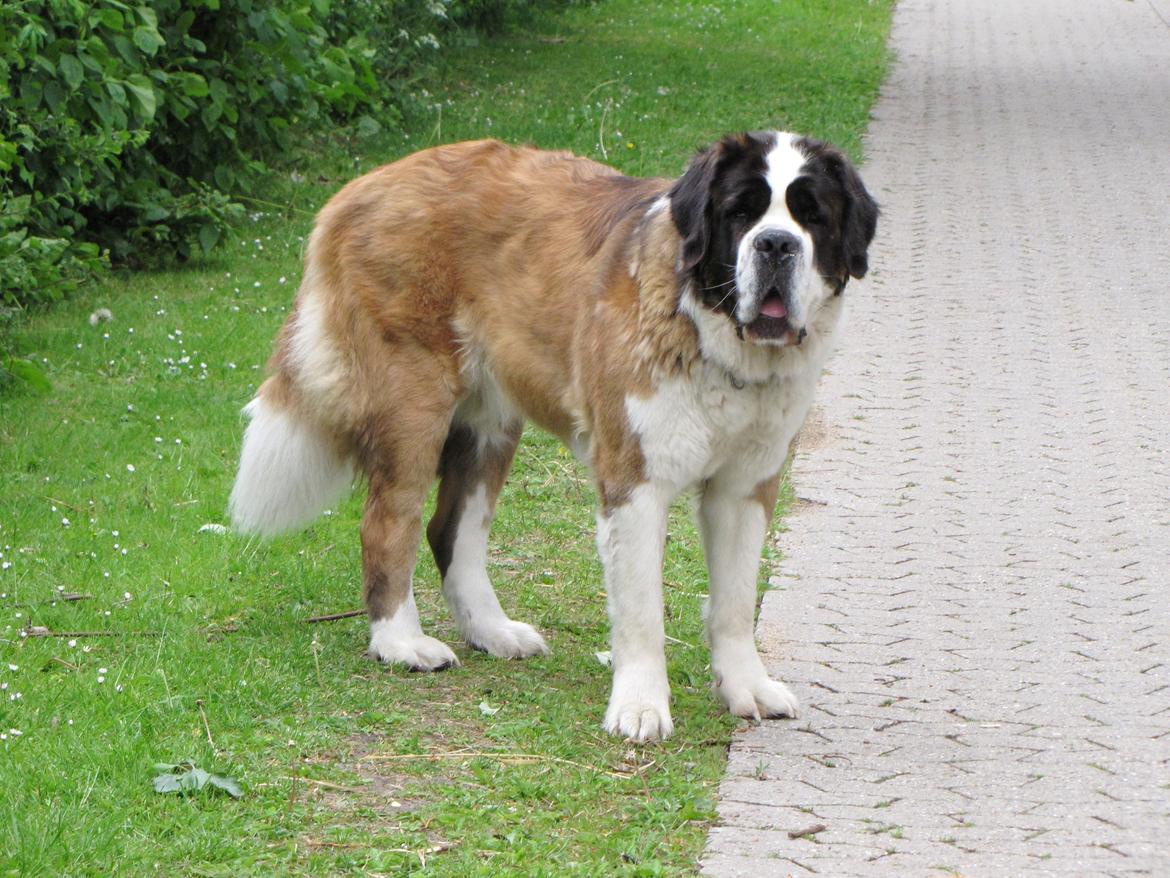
168, 641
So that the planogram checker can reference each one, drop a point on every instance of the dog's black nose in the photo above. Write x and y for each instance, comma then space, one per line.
782, 245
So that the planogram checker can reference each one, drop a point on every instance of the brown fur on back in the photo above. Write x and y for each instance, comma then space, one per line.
522, 255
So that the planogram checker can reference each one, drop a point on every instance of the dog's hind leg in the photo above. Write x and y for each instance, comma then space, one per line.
400, 451
472, 470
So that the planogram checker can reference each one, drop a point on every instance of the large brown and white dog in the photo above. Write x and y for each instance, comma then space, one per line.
669, 332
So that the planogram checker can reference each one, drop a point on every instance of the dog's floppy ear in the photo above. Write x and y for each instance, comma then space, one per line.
690, 206
859, 222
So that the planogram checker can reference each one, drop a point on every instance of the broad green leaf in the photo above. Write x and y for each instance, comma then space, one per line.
195, 779
71, 70
142, 91
148, 40
108, 18
167, 783
226, 784
148, 17
208, 237
195, 86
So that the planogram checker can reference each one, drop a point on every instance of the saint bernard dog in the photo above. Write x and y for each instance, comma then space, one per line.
669, 332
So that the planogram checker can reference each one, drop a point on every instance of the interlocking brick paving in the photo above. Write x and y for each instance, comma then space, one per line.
974, 604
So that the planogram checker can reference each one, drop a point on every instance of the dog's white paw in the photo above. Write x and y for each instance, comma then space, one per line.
417, 651
505, 638
757, 698
639, 712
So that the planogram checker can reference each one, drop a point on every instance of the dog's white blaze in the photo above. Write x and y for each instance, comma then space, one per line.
289, 473
630, 540
400, 639
469, 592
784, 163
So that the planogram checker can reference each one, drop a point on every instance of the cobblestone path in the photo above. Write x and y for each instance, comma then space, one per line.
974, 604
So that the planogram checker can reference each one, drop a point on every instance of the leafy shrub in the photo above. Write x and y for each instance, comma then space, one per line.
126, 131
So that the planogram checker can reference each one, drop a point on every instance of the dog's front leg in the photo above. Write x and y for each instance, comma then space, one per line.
630, 538
734, 521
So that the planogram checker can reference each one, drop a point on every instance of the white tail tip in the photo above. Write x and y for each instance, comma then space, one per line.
289, 473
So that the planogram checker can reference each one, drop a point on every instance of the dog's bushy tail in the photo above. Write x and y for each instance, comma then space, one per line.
290, 471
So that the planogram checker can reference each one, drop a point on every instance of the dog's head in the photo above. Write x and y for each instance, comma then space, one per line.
773, 225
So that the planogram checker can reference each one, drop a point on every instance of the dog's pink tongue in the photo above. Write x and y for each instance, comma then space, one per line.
773, 307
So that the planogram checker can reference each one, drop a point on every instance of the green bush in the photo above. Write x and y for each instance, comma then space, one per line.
127, 130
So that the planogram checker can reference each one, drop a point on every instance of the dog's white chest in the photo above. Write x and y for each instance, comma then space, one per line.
692, 428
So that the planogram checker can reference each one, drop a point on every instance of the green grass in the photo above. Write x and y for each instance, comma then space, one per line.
350, 768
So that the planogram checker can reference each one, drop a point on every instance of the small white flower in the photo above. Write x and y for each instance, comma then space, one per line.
129, 467
102, 671
72, 643
101, 679
14, 667
64, 522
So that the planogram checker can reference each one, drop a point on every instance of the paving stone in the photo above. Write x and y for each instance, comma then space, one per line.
974, 598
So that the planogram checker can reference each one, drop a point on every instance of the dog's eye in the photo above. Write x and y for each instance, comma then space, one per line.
740, 216
804, 206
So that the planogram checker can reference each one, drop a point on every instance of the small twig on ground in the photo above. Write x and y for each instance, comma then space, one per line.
206, 727
810, 831
324, 783
601, 130
63, 503
41, 631
333, 617
316, 648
